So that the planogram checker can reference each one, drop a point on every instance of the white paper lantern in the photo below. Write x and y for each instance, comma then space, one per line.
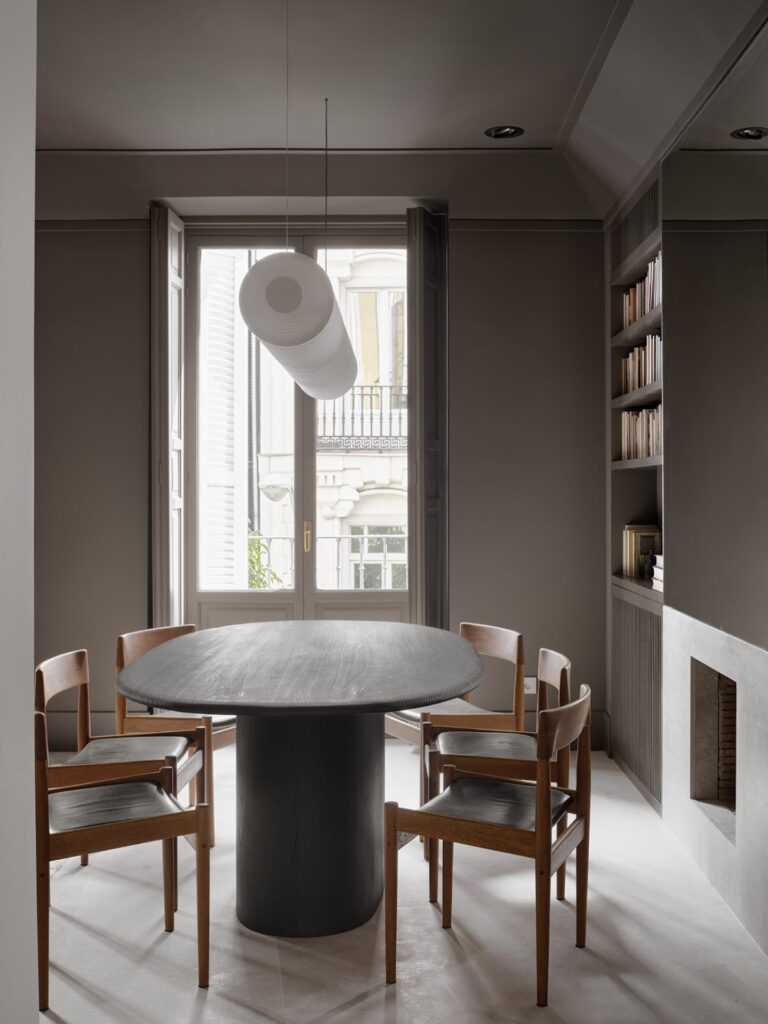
287, 300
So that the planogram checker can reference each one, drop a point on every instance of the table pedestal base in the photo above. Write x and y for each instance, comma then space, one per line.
310, 806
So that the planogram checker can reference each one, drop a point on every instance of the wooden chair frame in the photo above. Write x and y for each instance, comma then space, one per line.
557, 729
554, 671
131, 646
494, 642
193, 824
66, 671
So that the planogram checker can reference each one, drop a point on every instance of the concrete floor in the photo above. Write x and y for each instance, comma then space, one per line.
661, 945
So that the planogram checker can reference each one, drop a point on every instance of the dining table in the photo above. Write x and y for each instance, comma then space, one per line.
310, 698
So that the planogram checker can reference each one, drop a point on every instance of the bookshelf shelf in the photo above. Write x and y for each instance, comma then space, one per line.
638, 586
635, 263
631, 335
635, 487
638, 397
647, 463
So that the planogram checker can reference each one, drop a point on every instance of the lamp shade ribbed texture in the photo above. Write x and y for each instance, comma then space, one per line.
288, 302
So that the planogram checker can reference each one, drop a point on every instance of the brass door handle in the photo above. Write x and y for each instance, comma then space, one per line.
307, 536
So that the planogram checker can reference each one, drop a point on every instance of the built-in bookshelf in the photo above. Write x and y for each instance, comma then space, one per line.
635, 493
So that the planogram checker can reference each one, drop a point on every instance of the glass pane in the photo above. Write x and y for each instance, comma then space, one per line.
245, 441
362, 437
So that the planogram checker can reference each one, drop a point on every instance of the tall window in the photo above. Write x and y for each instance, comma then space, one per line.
362, 437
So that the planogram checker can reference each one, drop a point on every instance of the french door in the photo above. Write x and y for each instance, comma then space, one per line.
296, 508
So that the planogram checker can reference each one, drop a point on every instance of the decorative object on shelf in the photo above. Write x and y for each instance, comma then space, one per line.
641, 543
287, 301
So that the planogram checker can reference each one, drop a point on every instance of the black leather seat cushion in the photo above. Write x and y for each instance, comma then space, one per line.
131, 748
102, 805
493, 802
457, 706
513, 746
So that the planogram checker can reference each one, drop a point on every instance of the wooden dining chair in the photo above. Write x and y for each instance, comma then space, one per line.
497, 746
179, 747
517, 817
83, 809
492, 642
219, 729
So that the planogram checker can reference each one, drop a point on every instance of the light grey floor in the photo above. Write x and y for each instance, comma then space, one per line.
662, 946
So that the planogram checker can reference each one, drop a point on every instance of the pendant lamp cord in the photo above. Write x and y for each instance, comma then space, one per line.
287, 2
325, 250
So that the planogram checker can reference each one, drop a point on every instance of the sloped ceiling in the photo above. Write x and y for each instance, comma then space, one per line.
598, 85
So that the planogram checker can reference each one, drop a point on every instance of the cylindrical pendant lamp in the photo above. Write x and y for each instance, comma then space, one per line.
287, 301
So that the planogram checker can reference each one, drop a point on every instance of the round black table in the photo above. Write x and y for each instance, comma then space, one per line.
309, 698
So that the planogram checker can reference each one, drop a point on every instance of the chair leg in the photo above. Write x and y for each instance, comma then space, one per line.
562, 825
543, 894
208, 796
84, 860
447, 883
432, 844
432, 783
582, 877
390, 890
43, 902
175, 874
203, 866
168, 880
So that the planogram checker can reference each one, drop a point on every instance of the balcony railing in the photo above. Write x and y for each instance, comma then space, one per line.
381, 560
371, 417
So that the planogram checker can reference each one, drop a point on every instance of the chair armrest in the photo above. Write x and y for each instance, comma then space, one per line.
497, 722
87, 776
188, 734
141, 722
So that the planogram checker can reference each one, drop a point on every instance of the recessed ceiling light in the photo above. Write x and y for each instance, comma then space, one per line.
504, 131
749, 134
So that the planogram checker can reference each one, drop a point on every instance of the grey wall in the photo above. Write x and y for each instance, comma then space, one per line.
92, 409
526, 443
513, 184
716, 186
716, 442
526, 509
18, 973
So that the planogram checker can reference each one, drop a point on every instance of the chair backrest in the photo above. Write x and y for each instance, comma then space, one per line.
559, 727
64, 672
131, 646
505, 644
554, 670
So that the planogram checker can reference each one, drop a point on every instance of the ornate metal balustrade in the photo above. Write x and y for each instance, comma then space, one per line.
369, 417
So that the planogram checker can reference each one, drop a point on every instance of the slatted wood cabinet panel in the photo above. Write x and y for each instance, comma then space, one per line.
636, 692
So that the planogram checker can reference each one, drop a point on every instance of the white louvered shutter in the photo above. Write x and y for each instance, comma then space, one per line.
223, 429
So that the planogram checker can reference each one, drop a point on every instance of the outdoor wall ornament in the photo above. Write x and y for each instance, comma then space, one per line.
287, 301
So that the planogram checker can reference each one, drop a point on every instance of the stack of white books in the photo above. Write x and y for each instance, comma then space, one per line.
657, 580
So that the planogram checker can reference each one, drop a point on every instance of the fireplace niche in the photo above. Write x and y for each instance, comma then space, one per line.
713, 745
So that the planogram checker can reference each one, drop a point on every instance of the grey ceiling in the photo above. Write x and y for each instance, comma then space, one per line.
606, 85
741, 102
144, 74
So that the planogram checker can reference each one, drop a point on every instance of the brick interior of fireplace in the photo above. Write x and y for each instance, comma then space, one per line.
726, 741
713, 736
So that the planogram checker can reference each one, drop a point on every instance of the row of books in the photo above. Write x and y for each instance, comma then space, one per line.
641, 433
642, 366
644, 296
641, 545
657, 579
